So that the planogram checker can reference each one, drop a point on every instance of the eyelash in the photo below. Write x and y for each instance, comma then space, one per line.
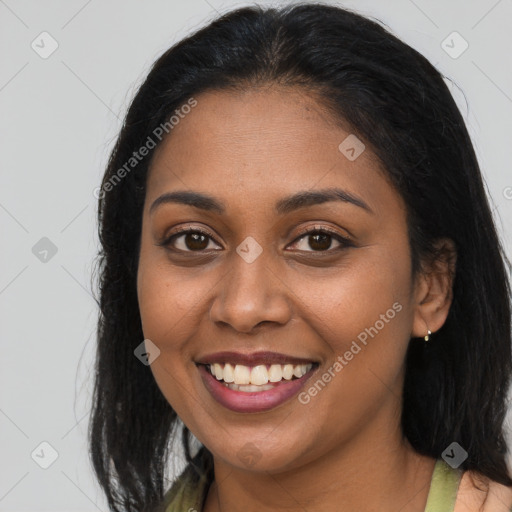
343, 240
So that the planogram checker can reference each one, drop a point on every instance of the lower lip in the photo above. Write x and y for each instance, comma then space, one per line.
258, 401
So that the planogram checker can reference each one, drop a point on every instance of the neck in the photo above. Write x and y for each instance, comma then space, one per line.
376, 470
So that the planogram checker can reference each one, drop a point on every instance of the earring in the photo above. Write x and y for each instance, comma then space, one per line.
427, 337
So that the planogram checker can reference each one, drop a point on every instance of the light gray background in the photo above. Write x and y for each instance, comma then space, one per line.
59, 118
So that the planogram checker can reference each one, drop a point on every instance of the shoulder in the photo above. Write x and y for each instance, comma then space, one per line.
189, 490
186, 494
478, 493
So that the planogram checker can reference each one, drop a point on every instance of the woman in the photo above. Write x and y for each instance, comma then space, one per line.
299, 264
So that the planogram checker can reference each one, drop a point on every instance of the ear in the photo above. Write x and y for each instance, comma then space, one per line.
434, 289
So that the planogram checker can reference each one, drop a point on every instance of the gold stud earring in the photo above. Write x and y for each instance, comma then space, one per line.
427, 337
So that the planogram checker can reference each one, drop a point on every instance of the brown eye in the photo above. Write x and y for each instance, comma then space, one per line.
320, 240
189, 240
195, 241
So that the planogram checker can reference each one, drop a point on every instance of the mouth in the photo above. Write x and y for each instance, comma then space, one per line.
256, 387
256, 378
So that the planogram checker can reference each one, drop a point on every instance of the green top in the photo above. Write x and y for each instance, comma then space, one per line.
443, 488
188, 493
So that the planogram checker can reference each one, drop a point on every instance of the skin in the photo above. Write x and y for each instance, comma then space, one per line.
249, 150
479, 493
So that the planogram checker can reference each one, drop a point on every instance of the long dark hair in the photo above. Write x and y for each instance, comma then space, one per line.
398, 103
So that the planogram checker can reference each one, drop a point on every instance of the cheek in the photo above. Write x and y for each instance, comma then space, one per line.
364, 317
172, 307
168, 298
356, 302
342, 303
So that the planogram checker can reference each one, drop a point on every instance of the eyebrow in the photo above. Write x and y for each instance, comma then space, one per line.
286, 205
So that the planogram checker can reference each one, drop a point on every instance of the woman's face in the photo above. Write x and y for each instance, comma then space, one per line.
302, 256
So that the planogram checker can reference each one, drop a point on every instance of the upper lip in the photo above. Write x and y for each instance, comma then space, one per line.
252, 359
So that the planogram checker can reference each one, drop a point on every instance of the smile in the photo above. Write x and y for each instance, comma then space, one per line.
259, 388
246, 378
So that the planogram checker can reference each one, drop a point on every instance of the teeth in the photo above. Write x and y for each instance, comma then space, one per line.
229, 373
275, 373
288, 371
249, 388
260, 375
299, 370
219, 373
242, 374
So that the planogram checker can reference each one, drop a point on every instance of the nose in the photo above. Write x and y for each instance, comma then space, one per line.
250, 295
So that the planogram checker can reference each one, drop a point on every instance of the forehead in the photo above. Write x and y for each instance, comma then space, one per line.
259, 143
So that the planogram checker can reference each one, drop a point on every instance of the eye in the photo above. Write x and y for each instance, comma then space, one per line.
198, 240
188, 240
320, 240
